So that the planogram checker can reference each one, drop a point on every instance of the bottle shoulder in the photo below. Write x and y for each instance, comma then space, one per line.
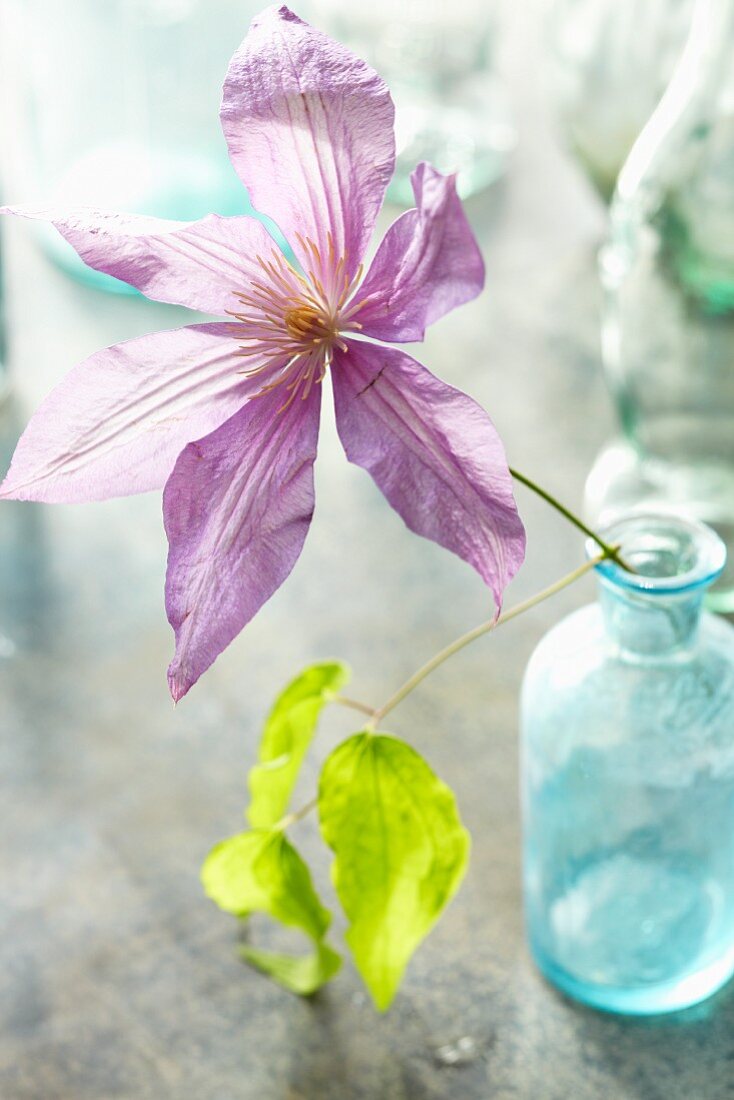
579, 694
577, 668
578, 641
582, 638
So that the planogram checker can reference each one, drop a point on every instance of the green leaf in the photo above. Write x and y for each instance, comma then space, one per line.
299, 975
260, 871
285, 740
400, 848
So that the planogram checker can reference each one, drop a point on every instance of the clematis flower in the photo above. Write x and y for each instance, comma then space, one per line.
224, 416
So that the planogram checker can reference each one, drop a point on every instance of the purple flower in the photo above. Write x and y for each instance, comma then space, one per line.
225, 416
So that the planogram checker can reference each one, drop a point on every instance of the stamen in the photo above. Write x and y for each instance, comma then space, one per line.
289, 324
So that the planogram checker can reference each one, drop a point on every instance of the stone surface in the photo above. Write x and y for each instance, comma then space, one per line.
118, 979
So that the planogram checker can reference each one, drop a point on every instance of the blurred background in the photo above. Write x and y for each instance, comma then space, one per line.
115, 105
594, 147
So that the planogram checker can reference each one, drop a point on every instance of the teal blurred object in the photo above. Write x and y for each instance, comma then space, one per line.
668, 274
610, 63
628, 781
123, 103
438, 60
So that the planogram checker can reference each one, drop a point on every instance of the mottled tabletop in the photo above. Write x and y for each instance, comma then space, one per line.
118, 979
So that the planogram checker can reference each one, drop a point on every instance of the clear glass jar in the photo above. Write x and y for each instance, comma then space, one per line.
4, 379
438, 60
628, 781
120, 108
668, 276
610, 63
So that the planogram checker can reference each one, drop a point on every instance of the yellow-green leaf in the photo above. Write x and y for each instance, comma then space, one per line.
260, 871
288, 733
400, 851
303, 975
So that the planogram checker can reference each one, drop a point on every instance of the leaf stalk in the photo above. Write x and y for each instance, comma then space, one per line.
609, 551
484, 628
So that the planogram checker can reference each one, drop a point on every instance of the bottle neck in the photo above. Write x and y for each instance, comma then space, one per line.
652, 611
685, 108
709, 44
651, 628
719, 12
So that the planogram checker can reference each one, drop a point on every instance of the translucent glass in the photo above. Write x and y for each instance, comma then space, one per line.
121, 104
668, 274
7, 648
438, 59
4, 380
628, 781
611, 61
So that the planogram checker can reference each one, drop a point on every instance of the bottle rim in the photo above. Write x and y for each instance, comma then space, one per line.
699, 550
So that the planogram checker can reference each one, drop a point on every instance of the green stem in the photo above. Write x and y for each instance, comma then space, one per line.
353, 704
609, 551
460, 643
290, 819
484, 628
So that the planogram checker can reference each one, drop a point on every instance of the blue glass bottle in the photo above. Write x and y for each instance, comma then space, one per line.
628, 781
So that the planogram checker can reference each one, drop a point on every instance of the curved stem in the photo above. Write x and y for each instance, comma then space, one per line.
478, 631
609, 551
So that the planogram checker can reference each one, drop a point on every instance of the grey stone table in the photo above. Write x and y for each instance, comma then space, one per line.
118, 979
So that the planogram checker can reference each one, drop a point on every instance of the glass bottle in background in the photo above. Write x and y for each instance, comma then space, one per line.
7, 647
628, 781
4, 376
438, 60
610, 63
121, 102
668, 276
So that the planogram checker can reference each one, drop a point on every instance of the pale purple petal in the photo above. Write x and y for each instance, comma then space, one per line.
427, 264
202, 264
117, 422
310, 132
237, 508
434, 453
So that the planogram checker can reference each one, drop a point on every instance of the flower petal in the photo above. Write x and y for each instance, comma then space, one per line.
310, 132
434, 453
202, 264
427, 264
237, 508
117, 422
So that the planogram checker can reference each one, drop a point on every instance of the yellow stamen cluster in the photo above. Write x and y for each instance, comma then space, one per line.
304, 323
291, 322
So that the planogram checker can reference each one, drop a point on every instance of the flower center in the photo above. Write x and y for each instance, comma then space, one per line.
306, 323
289, 323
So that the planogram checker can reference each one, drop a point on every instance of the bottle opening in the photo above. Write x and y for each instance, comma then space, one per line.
668, 553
